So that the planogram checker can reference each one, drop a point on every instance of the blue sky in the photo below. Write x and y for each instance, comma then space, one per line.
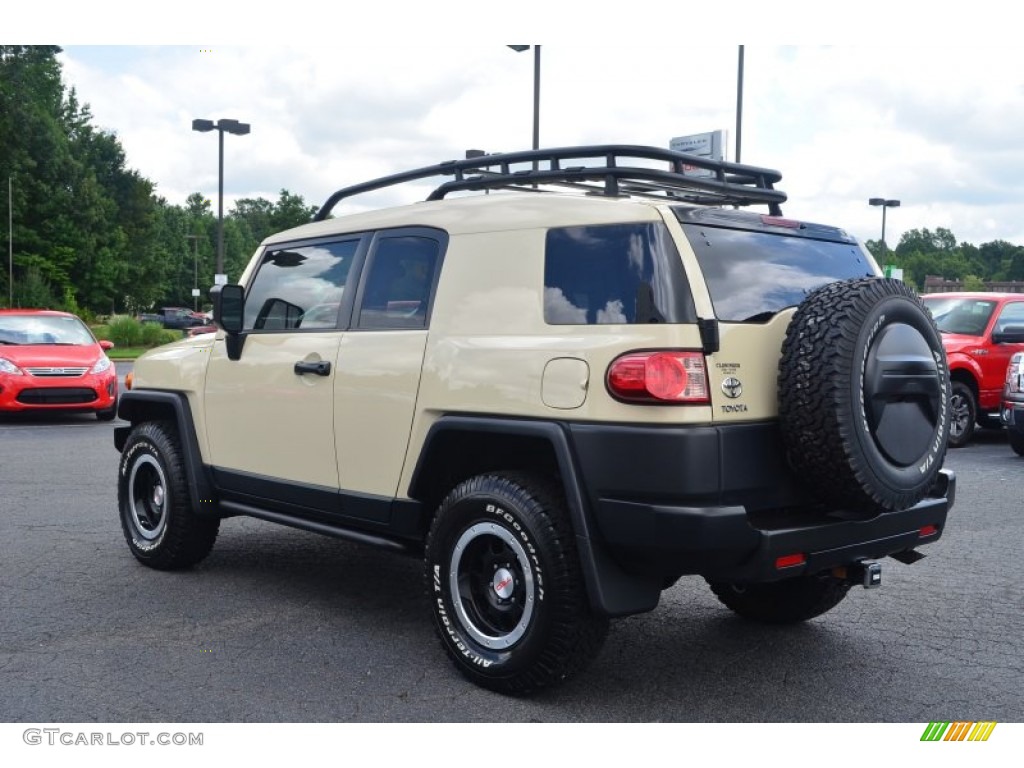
936, 126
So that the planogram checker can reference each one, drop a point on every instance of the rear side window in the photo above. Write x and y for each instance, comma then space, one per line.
618, 273
402, 275
752, 275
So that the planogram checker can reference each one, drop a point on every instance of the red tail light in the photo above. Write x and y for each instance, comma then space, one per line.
659, 377
788, 561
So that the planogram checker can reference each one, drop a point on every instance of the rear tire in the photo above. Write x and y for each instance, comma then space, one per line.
505, 586
159, 522
782, 602
1016, 442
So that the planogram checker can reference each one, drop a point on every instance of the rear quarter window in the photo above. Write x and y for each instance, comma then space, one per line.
617, 273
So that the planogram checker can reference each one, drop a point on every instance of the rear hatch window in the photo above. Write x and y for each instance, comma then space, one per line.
755, 266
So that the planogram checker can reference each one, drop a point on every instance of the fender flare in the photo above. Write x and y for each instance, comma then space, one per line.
137, 406
611, 591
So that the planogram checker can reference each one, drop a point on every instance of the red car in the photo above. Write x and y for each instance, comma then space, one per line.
50, 361
978, 346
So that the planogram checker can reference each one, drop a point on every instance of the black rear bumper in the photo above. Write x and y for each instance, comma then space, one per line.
721, 502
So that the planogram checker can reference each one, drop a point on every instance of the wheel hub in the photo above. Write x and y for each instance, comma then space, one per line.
147, 497
503, 583
491, 585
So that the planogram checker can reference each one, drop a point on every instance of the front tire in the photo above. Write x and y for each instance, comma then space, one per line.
963, 415
159, 522
782, 602
505, 585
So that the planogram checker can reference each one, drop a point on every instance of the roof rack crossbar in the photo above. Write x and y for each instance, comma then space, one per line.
728, 184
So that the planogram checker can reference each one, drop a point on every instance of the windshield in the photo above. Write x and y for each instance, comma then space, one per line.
960, 315
44, 329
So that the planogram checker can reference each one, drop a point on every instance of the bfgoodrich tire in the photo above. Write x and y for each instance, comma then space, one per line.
864, 395
782, 602
157, 517
505, 587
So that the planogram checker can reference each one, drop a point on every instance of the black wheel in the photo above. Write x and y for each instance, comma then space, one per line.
1016, 442
157, 517
782, 602
963, 415
864, 395
505, 587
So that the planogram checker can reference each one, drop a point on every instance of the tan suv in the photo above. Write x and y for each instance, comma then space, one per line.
565, 393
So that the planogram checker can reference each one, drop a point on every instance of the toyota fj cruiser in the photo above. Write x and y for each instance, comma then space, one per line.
565, 394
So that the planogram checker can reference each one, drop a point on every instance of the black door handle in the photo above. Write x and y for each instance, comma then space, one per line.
320, 368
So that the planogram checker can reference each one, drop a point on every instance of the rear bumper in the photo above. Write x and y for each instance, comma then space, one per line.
730, 544
722, 502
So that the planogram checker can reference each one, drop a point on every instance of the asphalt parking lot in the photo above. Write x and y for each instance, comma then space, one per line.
279, 625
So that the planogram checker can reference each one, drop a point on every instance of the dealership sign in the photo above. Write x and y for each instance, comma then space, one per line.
709, 145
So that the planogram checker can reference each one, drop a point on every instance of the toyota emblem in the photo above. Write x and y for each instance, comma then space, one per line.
732, 387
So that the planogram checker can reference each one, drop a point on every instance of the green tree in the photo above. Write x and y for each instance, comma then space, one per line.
974, 283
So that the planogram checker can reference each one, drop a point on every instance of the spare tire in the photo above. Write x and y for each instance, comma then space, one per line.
864, 395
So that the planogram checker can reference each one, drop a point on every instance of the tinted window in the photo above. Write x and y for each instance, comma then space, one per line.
620, 273
399, 284
299, 288
752, 275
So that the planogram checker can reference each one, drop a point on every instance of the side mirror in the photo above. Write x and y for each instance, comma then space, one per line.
229, 314
1011, 334
105, 345
228, 307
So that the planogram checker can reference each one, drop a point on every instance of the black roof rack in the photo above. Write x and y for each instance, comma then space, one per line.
728, 183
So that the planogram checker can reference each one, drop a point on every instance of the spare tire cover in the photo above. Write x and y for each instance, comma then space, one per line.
864, 395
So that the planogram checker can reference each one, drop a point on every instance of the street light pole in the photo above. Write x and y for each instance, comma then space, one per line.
881, 201
10, 245
739, 104
195, 272
536, 92
221, 126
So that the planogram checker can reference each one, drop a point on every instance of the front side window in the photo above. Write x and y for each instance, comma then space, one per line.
299, 288
1012, 315
616, 273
